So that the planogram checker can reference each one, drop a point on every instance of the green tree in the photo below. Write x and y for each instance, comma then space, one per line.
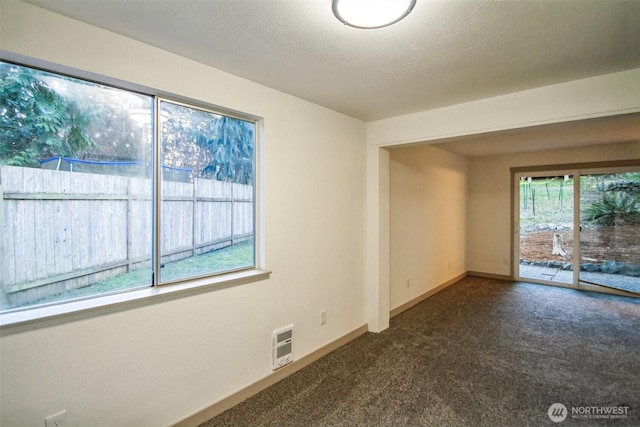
35, 121
232, 149
46, 115
211, 145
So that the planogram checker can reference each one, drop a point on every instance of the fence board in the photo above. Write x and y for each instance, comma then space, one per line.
64, 231
40, 259
8, 262
51, 253
64, 224
2, 237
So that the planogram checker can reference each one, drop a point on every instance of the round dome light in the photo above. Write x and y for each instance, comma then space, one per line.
370, 14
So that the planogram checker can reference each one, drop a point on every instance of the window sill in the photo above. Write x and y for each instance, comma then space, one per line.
125, 300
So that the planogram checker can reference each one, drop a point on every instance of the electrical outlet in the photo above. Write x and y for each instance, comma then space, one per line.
408, 282
323, 317
56, 420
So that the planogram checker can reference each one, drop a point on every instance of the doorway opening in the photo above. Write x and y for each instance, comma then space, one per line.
579, 229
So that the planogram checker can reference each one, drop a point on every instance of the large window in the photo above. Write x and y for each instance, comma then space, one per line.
105, 190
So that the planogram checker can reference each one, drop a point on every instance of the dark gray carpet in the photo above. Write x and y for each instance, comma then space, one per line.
480, 353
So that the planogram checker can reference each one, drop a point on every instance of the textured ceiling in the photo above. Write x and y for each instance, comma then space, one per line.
604, 130
443, 53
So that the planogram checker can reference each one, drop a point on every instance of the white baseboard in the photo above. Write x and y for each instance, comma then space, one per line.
238, 397
490, 275
276, 376
424, 296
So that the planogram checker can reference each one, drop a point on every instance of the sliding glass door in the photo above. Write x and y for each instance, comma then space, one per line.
579, 229
546, 217
610, 236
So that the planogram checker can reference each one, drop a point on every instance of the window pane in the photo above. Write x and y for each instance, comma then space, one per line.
75, 188
610, 230
207, 213
546, 228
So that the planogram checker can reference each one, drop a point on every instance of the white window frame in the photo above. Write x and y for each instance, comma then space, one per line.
99, 303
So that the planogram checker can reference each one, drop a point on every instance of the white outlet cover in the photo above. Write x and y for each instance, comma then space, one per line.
56, 420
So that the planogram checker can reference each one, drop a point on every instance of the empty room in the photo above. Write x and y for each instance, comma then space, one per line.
242, 213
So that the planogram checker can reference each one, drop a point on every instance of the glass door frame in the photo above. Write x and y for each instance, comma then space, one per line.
575, 173
537, 173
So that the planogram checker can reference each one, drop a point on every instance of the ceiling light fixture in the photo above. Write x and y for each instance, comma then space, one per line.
370, 14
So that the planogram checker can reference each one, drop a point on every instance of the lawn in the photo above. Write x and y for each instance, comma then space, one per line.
231, 257
546, 203
546, 208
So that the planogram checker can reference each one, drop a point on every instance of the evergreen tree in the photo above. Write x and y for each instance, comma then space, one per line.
35, 121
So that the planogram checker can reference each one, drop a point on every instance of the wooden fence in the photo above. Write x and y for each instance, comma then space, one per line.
63, 230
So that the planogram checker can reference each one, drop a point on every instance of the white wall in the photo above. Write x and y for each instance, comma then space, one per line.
489, 204
427, 197
154, 364
600, 96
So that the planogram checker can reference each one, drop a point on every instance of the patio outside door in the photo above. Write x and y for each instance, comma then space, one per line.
545, 237
610, 236
591, 241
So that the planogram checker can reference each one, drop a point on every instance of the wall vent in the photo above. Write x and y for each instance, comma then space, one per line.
282, 347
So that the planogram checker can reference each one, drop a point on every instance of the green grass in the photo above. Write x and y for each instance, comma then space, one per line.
231, 257
546, 201
549, 200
